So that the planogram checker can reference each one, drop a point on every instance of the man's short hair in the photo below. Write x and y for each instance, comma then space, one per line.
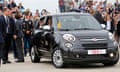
5, 9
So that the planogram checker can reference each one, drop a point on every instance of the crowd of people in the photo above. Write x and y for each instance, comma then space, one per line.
106, 13
16, 27
18, 23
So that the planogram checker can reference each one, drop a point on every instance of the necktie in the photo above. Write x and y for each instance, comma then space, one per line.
8, 25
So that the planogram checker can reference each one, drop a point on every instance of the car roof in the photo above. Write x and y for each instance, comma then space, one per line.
66, 13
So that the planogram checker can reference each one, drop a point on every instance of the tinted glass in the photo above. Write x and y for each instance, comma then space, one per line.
77, 22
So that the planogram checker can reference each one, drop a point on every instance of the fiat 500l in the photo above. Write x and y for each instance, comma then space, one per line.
73, 37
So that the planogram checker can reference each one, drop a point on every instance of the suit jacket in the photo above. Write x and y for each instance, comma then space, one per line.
18, 25
99, 18
118, 26
12, 26
2, 29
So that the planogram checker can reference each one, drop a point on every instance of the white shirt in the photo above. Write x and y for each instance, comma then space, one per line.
6, 20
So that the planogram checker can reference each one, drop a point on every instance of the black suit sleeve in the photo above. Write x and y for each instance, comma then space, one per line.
3, 28
13, 26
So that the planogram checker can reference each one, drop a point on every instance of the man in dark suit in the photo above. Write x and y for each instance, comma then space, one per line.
10, 29
1, 39
2, 35
18, 37
98, 15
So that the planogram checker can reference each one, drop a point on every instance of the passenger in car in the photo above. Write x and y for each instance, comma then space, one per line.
50, 22
40, 23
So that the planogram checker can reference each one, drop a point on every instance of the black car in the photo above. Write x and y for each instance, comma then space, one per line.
73, 37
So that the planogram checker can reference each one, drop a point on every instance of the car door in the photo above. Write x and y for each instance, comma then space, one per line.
46, 49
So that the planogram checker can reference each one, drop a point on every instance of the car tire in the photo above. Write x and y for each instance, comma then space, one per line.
57, 58
34, 57
112, 63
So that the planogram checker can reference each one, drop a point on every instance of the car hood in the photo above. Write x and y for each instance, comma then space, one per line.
86, 34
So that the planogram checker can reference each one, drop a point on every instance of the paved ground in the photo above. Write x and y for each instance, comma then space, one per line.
46, 66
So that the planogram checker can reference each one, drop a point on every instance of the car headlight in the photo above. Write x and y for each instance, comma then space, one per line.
68, 45
111, 37
69, 37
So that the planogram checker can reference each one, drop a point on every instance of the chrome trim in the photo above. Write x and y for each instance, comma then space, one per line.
93, 39
43, 50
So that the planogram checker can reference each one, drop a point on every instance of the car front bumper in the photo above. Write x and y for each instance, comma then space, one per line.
81, 55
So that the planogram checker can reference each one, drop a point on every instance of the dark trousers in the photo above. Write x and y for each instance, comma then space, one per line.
19, 49
14, 48
26, 45
62, 8
1, 50
8, 40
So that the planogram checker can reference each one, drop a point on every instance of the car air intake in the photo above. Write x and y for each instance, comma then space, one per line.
95, 46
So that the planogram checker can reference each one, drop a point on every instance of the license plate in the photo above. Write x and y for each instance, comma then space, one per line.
94, 52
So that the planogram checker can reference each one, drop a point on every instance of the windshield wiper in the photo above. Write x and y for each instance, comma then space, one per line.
65, 29
77, 29
84, 29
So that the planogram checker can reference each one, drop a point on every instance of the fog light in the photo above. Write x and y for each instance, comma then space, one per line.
68, 45
111, 55
77, 56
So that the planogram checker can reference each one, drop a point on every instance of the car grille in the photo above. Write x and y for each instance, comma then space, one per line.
95, 46
89, 37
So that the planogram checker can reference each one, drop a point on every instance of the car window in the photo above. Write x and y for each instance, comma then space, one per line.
77, 22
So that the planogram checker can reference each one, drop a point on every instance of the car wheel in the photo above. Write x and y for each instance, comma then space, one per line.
57, 58
34, 56
112, 63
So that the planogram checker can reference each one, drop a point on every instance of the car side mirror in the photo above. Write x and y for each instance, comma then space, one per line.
103, 26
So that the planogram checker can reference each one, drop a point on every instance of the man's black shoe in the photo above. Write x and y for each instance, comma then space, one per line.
6, 62
19, 61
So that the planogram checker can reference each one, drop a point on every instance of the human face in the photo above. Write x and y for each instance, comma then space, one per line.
7, 12
27, 17
50, 22
100, 9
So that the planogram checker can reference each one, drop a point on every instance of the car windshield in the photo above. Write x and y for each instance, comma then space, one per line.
77, 22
